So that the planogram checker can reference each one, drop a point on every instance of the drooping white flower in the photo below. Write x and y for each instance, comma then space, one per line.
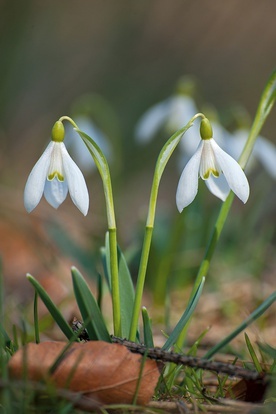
54, 174
218, 169
188, 145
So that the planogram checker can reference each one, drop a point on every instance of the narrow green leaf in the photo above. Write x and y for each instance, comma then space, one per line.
5, 340
265, 105
252, 353
267, 99
89, 309
106, 259
251, 318
148, 337
54, 311
100, 291
126, 293
184, 318
104, 263
267, 349
36, 322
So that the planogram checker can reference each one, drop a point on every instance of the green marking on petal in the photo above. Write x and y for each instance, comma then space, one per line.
57, 175
210, 171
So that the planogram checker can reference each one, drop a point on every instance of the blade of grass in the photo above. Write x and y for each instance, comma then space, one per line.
267, 349
36, 323
126, 293
54, 311
5, 340
100, 291
148, 337
254, 315
252, 353
184, 318
89, 309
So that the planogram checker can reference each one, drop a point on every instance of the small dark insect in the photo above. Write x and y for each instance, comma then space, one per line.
77, 327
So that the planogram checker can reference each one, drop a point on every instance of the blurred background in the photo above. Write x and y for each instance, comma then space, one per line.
130, 55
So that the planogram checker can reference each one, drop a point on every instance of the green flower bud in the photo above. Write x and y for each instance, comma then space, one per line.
58, 132
206, 131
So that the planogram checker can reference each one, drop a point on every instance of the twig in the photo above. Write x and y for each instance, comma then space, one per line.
190, 361
180, 359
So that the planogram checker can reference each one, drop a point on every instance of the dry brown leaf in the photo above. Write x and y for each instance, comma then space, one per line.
248, 390
107, 373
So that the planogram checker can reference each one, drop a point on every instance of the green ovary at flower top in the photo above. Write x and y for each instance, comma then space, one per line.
219, 170
54, 174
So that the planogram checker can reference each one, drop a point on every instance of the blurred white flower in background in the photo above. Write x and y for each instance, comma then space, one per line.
171, 114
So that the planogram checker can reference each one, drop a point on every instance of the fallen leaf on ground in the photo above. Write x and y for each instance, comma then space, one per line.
248, 390
107, 373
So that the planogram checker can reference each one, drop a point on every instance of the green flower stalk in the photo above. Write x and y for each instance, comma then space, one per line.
161, 163
266, 103
103, 168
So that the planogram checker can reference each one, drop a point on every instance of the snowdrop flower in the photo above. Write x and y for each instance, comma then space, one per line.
218, 169
54, 174
78, 147
189, 144
172, 113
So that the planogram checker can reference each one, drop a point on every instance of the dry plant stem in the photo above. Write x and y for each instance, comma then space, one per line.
228, 406
180, 359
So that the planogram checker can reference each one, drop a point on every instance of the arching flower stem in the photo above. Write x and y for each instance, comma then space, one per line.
103, 168
161, 163
266, 103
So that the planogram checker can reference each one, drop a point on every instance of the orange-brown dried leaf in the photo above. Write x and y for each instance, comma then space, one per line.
105, 372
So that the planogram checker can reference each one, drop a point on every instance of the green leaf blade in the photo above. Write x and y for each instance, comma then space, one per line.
89, 309
54, 311
184, 318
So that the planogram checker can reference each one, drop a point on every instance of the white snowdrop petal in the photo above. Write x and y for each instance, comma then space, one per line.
188, 182
35, 184
218, 186
152, 120
55, 192
208, 163
76, 183
233, 173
